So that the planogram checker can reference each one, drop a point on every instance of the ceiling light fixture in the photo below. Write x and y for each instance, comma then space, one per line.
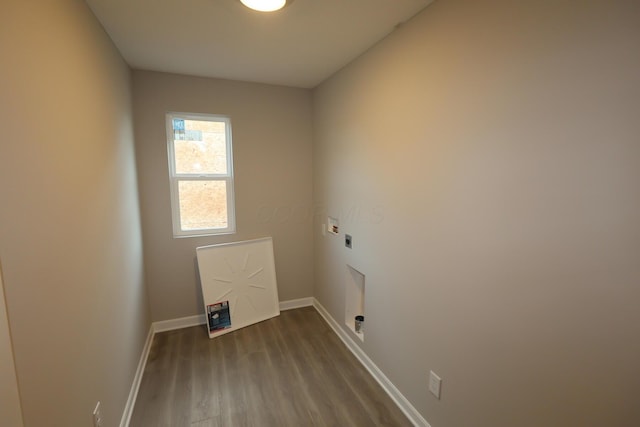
265, 5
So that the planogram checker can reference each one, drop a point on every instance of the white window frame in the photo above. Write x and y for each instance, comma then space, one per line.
175, 178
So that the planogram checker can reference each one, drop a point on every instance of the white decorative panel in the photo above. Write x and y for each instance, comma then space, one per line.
238, 284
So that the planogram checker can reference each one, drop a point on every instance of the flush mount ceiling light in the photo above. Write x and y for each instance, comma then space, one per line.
266, 5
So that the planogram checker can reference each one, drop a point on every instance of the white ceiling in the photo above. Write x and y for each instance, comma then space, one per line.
301, 45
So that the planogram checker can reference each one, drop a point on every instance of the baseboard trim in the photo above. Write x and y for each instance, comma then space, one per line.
296, 303
200, 319
182, 322
137, 379
405, 406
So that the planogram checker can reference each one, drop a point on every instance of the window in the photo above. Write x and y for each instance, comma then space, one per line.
201, 173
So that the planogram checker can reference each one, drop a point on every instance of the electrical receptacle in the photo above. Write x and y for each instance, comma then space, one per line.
435, 383
97, 416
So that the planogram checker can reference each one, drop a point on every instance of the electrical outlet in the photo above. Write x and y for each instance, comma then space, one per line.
97, 416
435, 383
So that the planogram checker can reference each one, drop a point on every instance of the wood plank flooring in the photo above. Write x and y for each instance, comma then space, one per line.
291, 370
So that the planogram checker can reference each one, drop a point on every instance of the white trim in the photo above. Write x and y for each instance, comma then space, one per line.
296, 303
137, 379
182, 322
175, 178
405, 406
200, 319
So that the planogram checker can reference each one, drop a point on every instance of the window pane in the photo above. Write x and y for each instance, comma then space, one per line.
200, 147
203, 204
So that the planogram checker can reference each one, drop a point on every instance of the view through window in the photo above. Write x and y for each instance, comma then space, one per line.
201, 172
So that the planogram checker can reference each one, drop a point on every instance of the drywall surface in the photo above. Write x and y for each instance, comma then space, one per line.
271, 128
70, 238
485, 158
10, 408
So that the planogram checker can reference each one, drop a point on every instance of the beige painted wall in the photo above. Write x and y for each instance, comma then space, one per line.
10, 408
272, 163
486, 159
70, 238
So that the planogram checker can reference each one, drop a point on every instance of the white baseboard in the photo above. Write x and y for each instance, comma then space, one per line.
200, 319
137, 379
182, 322
296, 303
405, 406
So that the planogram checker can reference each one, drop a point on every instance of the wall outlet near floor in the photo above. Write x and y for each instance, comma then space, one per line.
97, 416
434, 384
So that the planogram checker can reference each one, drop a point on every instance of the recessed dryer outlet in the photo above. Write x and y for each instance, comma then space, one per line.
354, 301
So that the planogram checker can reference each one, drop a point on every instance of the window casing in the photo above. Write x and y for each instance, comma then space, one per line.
201, 174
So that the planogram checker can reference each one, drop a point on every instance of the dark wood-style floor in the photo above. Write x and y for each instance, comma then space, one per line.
291, 370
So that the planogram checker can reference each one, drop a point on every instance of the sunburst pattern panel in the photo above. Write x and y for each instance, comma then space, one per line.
238, 284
